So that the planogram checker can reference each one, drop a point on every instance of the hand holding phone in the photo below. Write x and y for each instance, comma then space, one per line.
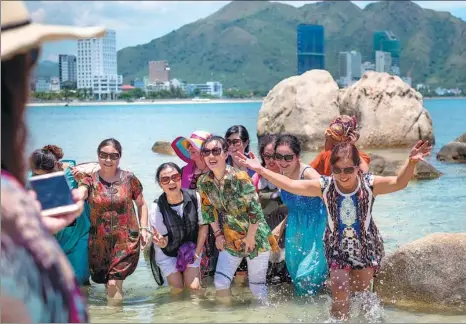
60, 205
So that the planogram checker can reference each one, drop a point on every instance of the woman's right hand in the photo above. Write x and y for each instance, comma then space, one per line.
220, 242
158, 239
252, 164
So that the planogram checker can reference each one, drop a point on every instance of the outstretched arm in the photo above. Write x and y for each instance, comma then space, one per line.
309, 188
385, 185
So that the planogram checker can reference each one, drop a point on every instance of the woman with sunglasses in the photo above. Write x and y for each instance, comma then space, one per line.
73, 238
353, 245
114, 234
228, 193
305, 224
275, 211
179, 230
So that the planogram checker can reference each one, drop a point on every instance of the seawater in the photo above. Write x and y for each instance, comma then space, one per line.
424, 207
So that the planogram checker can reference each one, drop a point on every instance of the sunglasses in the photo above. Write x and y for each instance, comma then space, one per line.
267, 156
113, 156
174, 178
348, 170
235, 142
287, 158
215, 151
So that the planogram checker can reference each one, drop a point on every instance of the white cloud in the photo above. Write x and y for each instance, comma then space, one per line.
39, 15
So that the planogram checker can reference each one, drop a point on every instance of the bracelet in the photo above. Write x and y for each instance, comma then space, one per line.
217, 233
411, 161
144, 228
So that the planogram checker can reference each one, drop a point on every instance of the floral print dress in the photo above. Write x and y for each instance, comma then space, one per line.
352, 240
114, 235
238, 203
33, 268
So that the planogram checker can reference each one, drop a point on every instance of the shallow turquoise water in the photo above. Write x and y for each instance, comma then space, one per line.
422, 208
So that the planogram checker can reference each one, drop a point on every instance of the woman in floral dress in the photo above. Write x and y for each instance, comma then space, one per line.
114, 235
353, 245
229, 192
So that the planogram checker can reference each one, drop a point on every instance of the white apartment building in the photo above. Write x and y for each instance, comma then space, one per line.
383, 62
97, 66
349, 67
211, 88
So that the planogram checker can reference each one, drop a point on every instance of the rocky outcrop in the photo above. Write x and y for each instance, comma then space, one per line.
162, 147
454, 151
390, 112
428, 274
385, 167
301, 105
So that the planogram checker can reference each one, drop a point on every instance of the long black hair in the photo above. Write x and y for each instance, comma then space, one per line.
263, 142
242, 132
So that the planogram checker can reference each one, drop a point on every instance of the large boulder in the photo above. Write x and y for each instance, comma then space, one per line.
454, 151
301, 105
163, 147
428, 274
390, 112
387, 167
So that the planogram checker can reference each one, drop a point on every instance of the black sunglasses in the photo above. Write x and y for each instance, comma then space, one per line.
268, 156
235, 142
287, 158
348, 170
215, 151
113, 156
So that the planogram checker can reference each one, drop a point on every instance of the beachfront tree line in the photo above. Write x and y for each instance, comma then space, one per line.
67, 94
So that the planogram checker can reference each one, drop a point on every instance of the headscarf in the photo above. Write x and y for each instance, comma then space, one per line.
342, 127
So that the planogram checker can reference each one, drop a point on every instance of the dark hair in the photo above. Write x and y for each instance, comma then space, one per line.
110, 142
345, 150
290, 140
164, 166
263, 142
243, 134
15, 84
45, 158
215, 138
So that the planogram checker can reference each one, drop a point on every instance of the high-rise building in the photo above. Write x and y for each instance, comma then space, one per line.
159, 71
349, 67
386, 41
310, 47
97, 66
383, 62
67, 68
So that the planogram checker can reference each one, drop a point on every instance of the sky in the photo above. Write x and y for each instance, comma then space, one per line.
139, 22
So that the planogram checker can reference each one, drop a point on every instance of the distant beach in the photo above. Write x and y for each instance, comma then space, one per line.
140, 102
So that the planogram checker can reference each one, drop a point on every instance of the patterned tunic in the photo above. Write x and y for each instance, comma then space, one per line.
114, 234
34, 269
352, 241
238, 203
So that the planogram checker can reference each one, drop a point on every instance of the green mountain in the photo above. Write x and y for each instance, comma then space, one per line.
252, 44
46, 69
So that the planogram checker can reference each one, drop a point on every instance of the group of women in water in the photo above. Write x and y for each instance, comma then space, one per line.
229, 214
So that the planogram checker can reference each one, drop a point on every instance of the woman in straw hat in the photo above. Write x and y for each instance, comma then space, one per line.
37, 281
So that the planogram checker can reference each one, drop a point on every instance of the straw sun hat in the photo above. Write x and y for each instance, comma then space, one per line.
19, 34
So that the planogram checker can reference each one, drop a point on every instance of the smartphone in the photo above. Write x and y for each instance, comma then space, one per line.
53, 193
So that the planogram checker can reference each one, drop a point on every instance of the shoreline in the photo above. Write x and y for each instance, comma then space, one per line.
139, 102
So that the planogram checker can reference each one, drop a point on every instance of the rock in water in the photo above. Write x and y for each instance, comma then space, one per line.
385, 167
163, 147
454, 151
390, 112
301, 105
428, 274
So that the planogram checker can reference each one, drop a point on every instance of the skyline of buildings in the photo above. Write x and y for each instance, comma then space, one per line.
67, 68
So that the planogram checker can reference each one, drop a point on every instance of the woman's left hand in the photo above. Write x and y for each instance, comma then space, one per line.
250, 244
421, 150
144, 238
